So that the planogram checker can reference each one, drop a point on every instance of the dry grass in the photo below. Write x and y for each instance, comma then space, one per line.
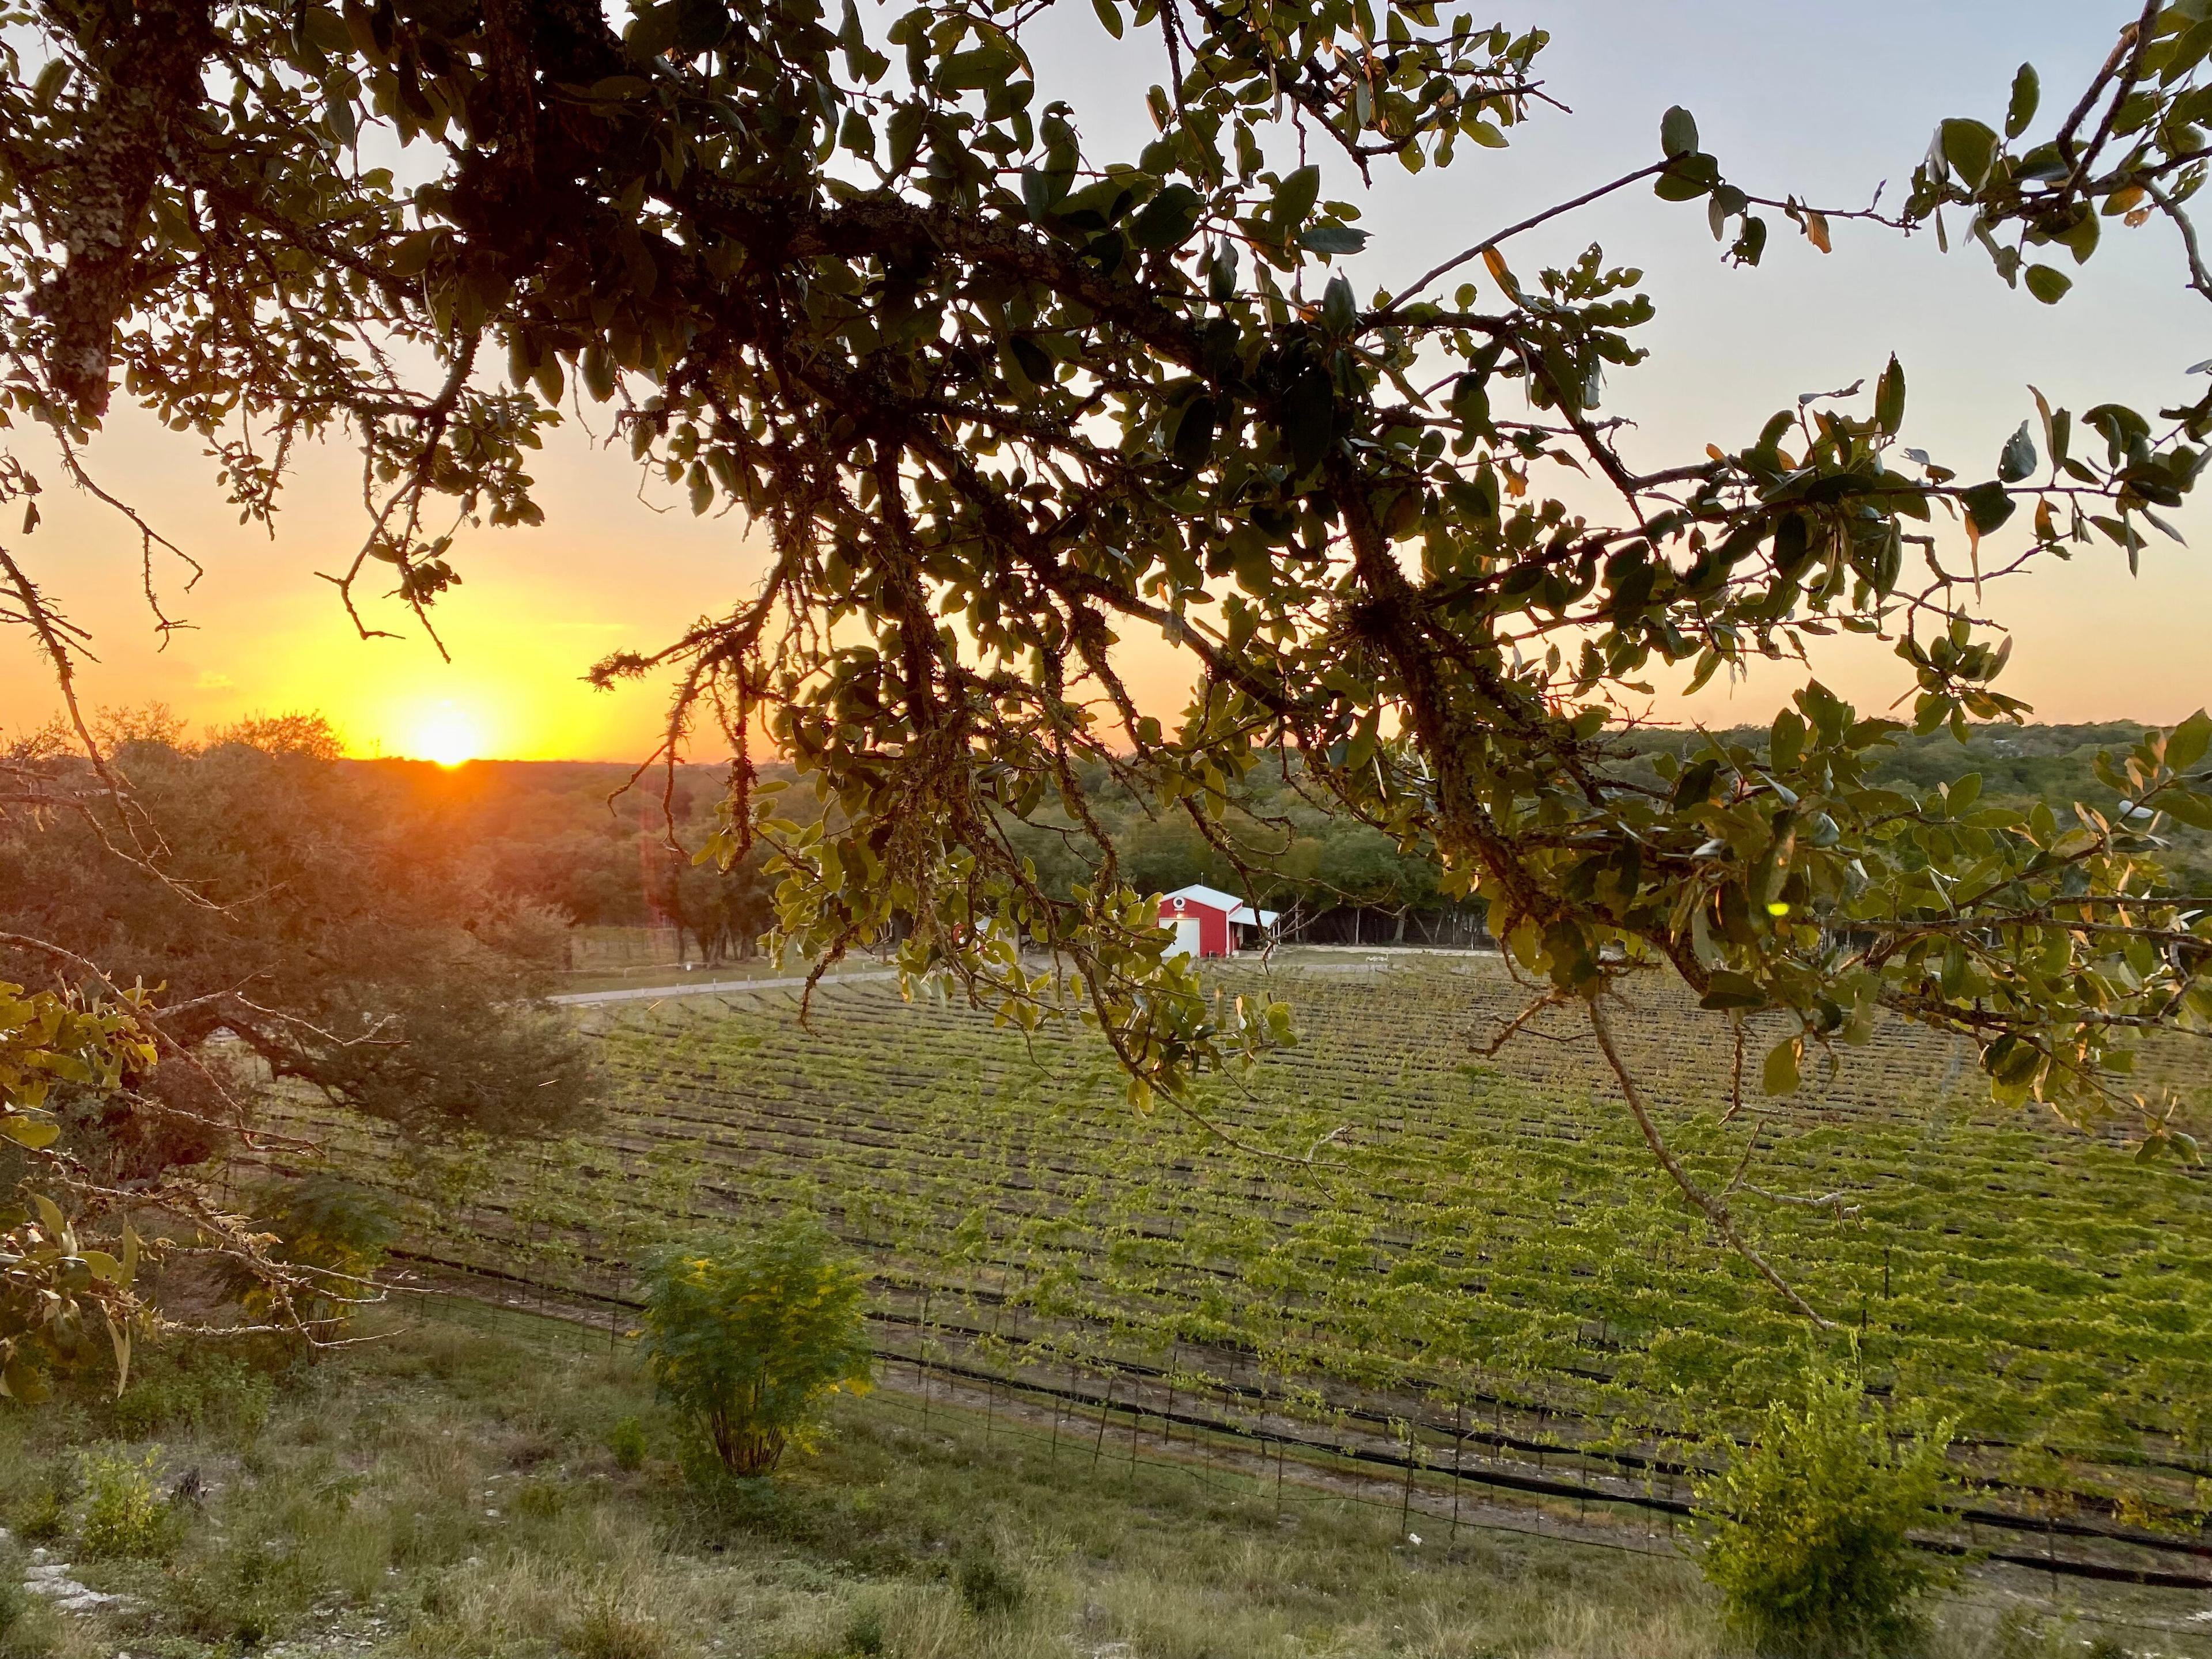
448, 1496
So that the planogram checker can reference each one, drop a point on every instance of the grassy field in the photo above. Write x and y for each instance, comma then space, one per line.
452, 1493
1404, 1247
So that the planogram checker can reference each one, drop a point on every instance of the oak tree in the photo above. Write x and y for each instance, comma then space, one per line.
314, 914
995, 401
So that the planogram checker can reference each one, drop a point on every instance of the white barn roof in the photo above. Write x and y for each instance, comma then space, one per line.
1214, 899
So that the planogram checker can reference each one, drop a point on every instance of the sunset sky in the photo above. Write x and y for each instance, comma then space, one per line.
1822, 98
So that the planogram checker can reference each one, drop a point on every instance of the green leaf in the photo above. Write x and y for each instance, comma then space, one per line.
1728, 990
413, 253
1889, 398
2011, 1061
1695, 787
1785, 744
1295, 197
2018, 459
1193, 443
1332, 239
1687, 179
1308, 417
1032, 359
2079, 239
1470, 403
1678, 132
34, 1132
1339, 307
1750, 242
1168, 219
598, 371
2027, 93
2047, 283
2186, 744
1970, 148
1779, 1075
2184, 807
973, 71
1041, 193
1110, 14
1988, 506
20, 1382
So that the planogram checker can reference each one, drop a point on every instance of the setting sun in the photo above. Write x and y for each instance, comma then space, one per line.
449, 736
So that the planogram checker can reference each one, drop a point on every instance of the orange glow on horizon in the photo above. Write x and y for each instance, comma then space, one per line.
449, 735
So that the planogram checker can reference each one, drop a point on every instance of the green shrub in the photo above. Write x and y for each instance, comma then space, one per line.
1806, 1529
336, 1232
190, 1390
749, 1339
627, 1441
124, 1514
248, 1591
614, 1624
988, 1585
864, 1632
541, 1497
42, 1515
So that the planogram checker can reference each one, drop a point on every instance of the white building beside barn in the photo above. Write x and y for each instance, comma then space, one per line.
1209, 923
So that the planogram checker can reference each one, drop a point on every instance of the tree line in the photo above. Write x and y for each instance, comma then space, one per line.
578, 844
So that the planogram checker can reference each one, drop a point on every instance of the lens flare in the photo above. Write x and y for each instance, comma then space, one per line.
451, 737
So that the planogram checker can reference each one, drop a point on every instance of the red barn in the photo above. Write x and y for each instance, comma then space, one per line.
1207, 920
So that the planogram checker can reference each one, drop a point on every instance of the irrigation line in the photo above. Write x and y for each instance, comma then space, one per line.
1308, 1450
1234, 1483
1499, 1439
902, 1400
1540, 1484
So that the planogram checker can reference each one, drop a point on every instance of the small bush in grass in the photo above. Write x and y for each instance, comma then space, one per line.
613, 1623
540, 1497
246, 1592
44, 1515
751, 1338
627, 1441
336, 1233
1806, 1530
987, 1584
124, 1514
864, 1632
193, 1390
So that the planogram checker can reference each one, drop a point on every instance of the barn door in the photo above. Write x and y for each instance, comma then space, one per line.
1187, 938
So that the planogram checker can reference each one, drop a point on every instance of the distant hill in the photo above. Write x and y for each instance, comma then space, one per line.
563, 834
2019, 765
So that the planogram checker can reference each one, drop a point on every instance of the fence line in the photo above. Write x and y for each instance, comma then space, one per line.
1410, 1467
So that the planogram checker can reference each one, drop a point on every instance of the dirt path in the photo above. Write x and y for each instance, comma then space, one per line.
713, 988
